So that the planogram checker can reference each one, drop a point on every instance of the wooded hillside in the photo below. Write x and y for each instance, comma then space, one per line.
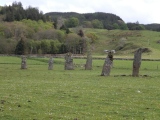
89, 20
98, 20
28, 31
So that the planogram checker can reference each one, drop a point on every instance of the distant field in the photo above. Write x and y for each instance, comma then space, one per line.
40, 94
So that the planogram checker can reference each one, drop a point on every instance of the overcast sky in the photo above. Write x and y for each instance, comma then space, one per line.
143, 11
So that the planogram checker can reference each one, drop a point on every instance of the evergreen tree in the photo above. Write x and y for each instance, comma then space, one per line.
68, 31
16, 12
9, 17
20, 47
63, 49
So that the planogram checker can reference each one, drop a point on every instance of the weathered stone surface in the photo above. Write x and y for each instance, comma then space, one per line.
69, 62
24, 62
108, 63
137, 62
50, 64
88, 65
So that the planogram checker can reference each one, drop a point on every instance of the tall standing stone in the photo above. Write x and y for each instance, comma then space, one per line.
50, 64
108, 63
88, 65
137, 62
24, 62
69, 61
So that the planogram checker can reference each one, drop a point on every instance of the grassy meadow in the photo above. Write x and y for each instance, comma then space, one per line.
41, 94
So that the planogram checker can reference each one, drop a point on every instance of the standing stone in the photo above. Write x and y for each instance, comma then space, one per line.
88, 65
69, 62
24, 63
50, 64
137, 62
108, 63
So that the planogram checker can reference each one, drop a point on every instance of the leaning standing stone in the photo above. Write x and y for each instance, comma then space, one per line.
69, 62
108, 63
50, 64
137, 62
24, 63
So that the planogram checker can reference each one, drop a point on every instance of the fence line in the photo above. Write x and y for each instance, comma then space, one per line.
75, 56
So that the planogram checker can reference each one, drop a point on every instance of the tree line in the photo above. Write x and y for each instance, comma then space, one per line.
98, 20
65, 20
38, 37
27, 32
73, 43
16, 12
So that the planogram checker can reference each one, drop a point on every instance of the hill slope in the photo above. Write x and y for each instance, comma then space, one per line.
125, 42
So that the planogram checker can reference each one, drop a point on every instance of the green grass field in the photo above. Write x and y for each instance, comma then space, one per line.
41, 94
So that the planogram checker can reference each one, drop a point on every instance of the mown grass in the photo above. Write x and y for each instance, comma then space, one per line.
41, 94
